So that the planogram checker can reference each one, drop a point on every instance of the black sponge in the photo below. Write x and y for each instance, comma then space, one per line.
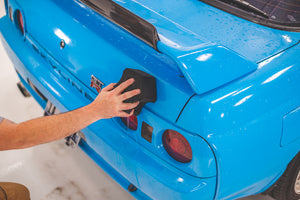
143, 81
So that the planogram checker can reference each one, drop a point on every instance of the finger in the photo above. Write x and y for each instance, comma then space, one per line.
128, 106
109, 87
128, 95
124, 85
124, 114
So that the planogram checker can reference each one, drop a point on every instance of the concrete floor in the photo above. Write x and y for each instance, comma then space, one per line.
51, 171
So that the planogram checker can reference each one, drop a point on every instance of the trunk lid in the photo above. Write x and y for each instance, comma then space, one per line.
187, 25
207, 46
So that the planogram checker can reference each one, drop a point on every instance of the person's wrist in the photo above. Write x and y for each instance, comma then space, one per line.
94, 111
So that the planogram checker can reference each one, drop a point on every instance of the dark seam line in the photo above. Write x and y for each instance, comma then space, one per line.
4, 192
184, 107
279, 52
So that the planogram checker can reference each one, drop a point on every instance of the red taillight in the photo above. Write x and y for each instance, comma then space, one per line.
131, 122
20, 21
177, 146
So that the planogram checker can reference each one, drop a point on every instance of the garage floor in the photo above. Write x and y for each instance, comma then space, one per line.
51, 171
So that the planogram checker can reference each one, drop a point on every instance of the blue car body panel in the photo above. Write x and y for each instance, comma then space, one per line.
245, 121
229, 86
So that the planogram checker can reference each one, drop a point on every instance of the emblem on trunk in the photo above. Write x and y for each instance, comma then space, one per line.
96, 83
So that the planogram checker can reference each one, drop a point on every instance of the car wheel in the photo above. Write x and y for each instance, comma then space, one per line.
288, 185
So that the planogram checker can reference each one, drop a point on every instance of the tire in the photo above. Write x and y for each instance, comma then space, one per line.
284, 188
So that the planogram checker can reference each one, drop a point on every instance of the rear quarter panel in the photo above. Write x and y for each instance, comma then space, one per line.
243, 123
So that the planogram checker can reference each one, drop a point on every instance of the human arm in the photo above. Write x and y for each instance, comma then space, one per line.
108, 104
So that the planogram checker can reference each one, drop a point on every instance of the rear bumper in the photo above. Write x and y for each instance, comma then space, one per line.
119, 155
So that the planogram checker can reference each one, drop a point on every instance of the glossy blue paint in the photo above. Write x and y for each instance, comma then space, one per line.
228, 85
243, 122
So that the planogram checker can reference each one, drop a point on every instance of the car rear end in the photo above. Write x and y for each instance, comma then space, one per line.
56, 46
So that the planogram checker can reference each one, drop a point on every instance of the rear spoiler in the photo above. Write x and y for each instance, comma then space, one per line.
205, 68
210, 66
125, 19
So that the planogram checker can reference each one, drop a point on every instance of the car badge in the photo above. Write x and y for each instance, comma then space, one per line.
96, 83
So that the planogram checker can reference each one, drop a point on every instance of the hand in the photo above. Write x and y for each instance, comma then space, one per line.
109, 103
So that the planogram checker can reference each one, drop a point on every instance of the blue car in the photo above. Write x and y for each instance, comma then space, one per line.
226, 120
